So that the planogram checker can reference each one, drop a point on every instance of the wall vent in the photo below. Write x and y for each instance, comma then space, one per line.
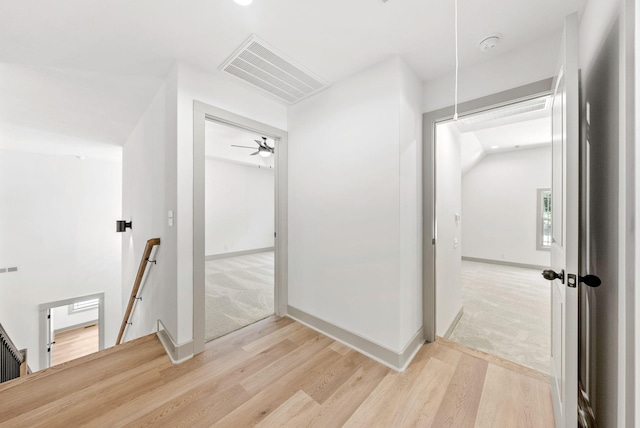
263, 66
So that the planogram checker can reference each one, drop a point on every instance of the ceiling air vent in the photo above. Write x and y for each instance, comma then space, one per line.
261, 65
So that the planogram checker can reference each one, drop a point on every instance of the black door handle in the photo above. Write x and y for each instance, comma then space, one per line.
590, 280
550, 275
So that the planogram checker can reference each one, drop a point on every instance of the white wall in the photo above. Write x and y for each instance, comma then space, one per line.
472, 152
61, 319
526, 64
354, 203
57, 225
448, 233
158, 177
499, 206
148, 192
239, 207
411, 89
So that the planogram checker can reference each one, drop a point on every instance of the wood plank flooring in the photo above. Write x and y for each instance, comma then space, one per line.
278, 373
75, 343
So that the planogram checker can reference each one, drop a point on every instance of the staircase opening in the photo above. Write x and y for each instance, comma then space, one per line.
71, 328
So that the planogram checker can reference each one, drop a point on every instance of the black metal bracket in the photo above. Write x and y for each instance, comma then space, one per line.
138, 298
151, 261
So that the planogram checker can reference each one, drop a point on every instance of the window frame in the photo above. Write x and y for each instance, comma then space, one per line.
540, 246
74, 310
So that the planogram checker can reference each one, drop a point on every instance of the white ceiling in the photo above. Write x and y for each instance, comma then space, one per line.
529, 132
517, 132
88, 68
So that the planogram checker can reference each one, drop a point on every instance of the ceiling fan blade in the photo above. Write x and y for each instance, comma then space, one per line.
259, 143
253, 154
244, 147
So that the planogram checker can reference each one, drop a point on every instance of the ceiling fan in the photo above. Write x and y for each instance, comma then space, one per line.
264, 149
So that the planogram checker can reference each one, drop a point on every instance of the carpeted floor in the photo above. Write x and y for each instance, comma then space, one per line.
507, 312
238, 292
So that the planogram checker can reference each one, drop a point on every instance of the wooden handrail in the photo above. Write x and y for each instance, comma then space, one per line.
136, 285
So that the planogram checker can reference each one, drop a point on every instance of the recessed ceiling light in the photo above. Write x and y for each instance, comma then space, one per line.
494, 147
244, 2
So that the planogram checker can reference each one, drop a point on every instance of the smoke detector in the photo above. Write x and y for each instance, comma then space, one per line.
489, 42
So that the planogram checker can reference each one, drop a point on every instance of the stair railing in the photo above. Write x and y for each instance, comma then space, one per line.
136, 286
13, 362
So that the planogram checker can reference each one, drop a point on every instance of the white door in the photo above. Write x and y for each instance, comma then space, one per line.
565, 215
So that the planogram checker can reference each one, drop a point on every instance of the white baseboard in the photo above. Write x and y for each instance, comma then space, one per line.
392, 359
237, 253
454, 323
73, 327
504, 263
177, 353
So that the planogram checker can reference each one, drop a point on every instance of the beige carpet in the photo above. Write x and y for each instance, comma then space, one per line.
238, 292
507, 312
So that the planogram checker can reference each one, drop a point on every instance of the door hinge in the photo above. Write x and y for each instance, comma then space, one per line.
275, 235
433, 241
572, 280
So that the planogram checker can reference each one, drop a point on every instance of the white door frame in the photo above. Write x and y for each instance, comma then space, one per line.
201, 113
45, 309
429, 122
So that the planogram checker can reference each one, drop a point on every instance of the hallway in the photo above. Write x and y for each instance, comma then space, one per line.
278, 372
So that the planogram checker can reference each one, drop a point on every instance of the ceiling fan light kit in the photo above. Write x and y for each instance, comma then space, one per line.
264, 149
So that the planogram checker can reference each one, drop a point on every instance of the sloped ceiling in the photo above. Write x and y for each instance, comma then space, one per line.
88, 68
519, 132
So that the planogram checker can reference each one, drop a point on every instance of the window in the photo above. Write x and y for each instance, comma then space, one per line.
544, 219
83, 306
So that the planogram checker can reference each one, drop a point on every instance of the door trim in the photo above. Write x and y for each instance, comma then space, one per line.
429, 121
201, 113
43, 308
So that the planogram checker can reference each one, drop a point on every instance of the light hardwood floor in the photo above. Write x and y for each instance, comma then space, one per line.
75, 343
278, 373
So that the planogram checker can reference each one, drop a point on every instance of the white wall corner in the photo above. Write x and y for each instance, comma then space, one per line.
396, 360
177, 353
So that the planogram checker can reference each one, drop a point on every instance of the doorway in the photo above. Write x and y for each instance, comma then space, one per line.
71, 328
204, 114
486, 257
239, 228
